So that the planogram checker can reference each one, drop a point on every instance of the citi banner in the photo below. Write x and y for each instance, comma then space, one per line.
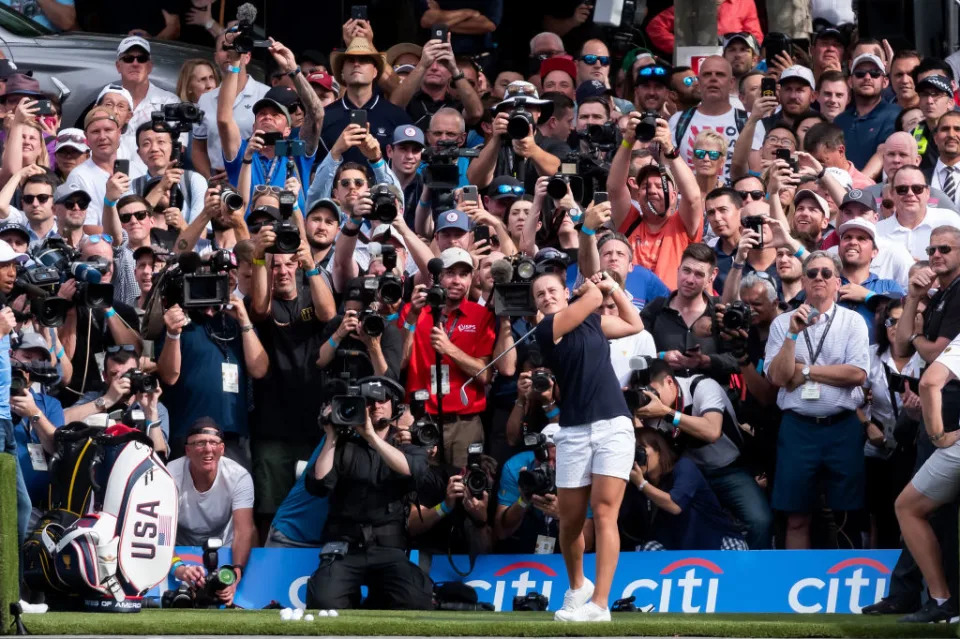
780, 581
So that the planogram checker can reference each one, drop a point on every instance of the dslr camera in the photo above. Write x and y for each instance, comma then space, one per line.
737, 316
647, 127
520, 122
639, 382
389, 286
542, 479
231, 198
195, 282
475, 478
384, 204
424, 430
141, 382
217, 578
288, 235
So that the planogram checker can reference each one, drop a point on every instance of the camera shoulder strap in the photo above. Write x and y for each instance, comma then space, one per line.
740, 118
138, 183
684, 123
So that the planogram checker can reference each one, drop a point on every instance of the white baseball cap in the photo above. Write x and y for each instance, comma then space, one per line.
799, 72
72, 139
7, 254
867, 57
381, 230
130, 42
456, 255
807, 193
859, 223
118, 89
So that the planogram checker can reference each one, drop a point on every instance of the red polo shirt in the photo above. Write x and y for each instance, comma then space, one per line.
471, 329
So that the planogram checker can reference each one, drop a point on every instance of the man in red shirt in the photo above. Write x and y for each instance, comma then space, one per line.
732, 16
465, 339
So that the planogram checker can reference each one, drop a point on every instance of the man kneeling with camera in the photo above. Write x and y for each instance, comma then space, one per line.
367, 481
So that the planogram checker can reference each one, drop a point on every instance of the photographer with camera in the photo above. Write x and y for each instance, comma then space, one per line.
698, 415
758, 237
268, 166
216, 500
368, 482
223, 211
529, 153
36, 187
664, 220
157, 150
671, 492
128, 388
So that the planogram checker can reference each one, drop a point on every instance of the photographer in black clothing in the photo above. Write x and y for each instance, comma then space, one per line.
367, 481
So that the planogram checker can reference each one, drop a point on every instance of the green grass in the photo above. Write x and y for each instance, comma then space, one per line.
9, 582
519, 624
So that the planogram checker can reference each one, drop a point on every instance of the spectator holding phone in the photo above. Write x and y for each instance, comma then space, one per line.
102, 127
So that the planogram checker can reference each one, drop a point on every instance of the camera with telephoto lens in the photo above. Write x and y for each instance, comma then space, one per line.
442, 173
288, 235
231, 198
18, 379
737, 316
542, 479
602, 137
55, 254
647, 127
195, 282
639, 382
371, 321
424, 430
349, 406
389, 285
520, 122
384, 204
216, 580
530, 602
141, 382
475, 478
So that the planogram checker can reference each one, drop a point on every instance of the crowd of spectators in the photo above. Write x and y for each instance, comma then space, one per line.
788, 229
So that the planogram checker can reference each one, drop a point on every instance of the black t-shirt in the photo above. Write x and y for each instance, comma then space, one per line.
508, 163
422, 107
115, 16
288, 399
942, 319
391, 343
87, 370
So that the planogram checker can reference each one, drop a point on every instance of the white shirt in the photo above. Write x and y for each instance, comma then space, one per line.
242, 114
846, 343
725, 125
153, 101
623, 349
210, 514
917, 239
91, 178
893, 261
881, 407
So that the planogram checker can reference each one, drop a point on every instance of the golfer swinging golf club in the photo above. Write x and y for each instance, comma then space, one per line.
596, 443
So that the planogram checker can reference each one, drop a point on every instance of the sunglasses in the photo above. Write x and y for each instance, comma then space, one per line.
904, 188
357, 182
142, 58
690, 80
890, 322
106, 237
814, 273
79, 205
263, 188
42, 198
702, 153
589, 58
873, 73
647, 72
129, 348
943, 249
756, 196
70, 137
140, 215
505, 189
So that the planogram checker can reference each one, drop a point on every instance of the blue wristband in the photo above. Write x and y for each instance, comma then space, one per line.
800, 253
410, 327
108, 202
392, 317
377, 164
173, 568
552, 413
332, 343
586, 230
760, 367
110, 312
358, 221
868, 296
425, 205
233, 69
312, 272
676, 418
793, 336
444, 508
662, 355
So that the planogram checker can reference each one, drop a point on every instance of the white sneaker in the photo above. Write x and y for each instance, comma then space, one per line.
32, 608
573, 599
588, 612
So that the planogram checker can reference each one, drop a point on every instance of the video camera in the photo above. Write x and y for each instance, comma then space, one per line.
39, 371
349, 407
542, 479
244, 39
513, 286
195, 282
176, 118
288, 235
217, 578
424, 430
442, 172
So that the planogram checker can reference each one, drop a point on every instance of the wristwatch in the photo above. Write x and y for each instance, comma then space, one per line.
673, 154
100, 403
913, 337
456, 78
35, 419
805, 371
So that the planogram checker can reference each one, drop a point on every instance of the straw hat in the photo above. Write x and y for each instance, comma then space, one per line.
359, 47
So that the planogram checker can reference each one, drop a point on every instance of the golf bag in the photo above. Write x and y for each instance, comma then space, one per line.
119, 544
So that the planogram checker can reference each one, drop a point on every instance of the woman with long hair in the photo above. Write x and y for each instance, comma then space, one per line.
596, 442
197, 76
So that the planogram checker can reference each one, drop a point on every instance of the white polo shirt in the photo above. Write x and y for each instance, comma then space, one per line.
89, 177
153, 101
242, 114
846, 342
917, 239
202, 515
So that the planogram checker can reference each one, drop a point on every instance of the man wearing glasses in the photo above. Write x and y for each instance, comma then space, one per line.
651, 88
216, 500
70, 208
913, 220
818, 355
593, 63
868, 121
118, 361
37, 203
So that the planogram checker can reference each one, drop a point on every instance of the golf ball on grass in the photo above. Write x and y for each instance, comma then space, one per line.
286, 614
323, 613
308, 617
333, 613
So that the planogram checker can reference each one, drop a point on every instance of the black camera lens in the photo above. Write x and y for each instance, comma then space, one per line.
635, 398
348, 410
391, 290
373, 324
476, 482
288, 238
647, 128
557, 186
540, 381
519, 124
231, 199
425, 433
737, 316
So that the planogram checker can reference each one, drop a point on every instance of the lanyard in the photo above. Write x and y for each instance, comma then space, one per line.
274, 165
806, 337
453, 327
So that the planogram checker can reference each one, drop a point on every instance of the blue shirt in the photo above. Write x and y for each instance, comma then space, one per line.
642, 285
302, 516
199, 389
887, 288
31, 9
862, 134
37, 480
270, 172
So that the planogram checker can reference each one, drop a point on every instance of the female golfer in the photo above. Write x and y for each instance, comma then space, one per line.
596, 443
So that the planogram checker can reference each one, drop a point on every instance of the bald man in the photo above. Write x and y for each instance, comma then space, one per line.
900, 149
715, 112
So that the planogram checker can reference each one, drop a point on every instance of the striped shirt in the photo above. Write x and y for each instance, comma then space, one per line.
845, 343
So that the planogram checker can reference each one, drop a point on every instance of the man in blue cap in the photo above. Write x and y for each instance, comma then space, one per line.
453, 229
404, 153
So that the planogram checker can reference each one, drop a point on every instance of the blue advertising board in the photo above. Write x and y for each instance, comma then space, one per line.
776, 581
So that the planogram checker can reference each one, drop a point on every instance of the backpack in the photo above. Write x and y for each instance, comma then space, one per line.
731, 425
739, 117
104, 557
